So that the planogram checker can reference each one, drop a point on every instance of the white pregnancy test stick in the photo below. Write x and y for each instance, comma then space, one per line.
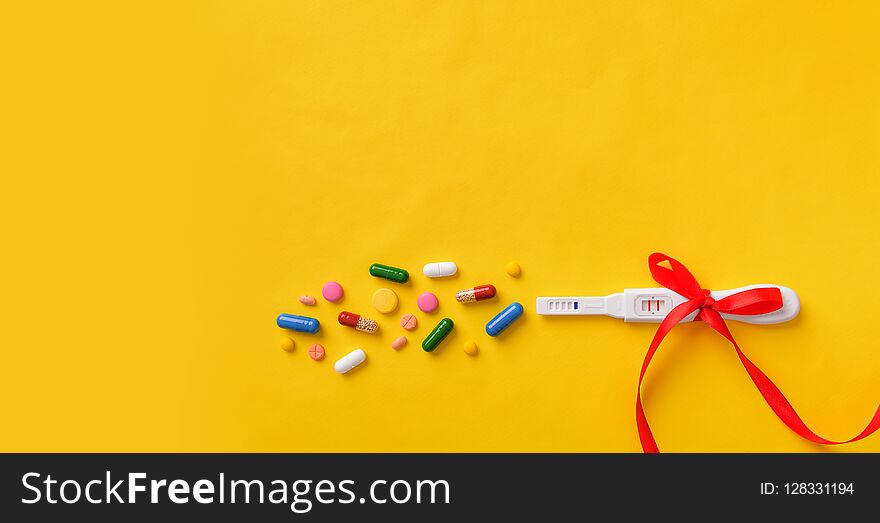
652, 305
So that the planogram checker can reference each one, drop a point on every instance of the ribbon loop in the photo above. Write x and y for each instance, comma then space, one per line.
676, 278
759, 300
751, 302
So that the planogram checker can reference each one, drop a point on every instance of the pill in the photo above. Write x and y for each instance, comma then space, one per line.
308, 300
470, 348
513, 269
389, 273
385, 301
438, 334
317, 352
398, 343
480, 292
428, 302
440, 269
409, 322
503, 319
357, 321
350, 361
298, 323
287, 344
332, 291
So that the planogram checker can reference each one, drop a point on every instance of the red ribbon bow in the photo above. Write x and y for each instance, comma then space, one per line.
749, 302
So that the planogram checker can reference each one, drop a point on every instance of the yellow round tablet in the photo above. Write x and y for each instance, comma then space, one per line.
513, 269
470, 348
385, 301
287, 344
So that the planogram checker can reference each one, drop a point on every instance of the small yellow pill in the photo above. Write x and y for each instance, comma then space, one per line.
287, 344
470, 348
385, 300
513, 269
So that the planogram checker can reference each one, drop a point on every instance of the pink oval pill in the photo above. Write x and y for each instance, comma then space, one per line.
316, 352
332, 291
308, 300
409, 322
428, 302
398, 343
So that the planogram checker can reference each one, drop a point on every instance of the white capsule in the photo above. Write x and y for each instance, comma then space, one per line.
350, 361
440, 269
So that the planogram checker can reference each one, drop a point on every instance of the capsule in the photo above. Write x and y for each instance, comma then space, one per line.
298, 323
503, 319
350, 361
357, 321
480, 292
389, 273
440, 269
438, 334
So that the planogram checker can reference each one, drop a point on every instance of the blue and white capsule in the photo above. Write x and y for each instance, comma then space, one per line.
503, 319
298, 323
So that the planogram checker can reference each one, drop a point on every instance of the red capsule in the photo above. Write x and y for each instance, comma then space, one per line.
348, 318
360, 323
480, 292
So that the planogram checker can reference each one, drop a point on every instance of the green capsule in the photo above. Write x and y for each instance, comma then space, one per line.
438, 334
389, 273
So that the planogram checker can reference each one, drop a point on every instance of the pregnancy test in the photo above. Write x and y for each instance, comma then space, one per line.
651, 305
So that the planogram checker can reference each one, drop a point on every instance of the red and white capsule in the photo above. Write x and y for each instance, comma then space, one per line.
357, 321
480, 292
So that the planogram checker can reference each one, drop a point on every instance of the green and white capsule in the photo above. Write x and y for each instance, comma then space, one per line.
438, 334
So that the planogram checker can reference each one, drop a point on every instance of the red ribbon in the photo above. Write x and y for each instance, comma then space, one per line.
753, 301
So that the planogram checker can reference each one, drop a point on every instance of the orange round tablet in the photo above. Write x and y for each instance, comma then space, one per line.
316, 352
409, 322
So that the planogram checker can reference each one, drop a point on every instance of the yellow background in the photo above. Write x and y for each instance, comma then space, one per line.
176, 174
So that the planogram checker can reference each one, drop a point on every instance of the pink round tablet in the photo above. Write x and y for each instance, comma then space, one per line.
409, 322
398, 343
428, 302
316, 352
332, 291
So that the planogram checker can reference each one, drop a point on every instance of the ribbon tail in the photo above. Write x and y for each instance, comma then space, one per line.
774, 397
646, 437
783, 409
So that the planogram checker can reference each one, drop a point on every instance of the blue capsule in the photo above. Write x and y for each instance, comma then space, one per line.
503, 319
298, 323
